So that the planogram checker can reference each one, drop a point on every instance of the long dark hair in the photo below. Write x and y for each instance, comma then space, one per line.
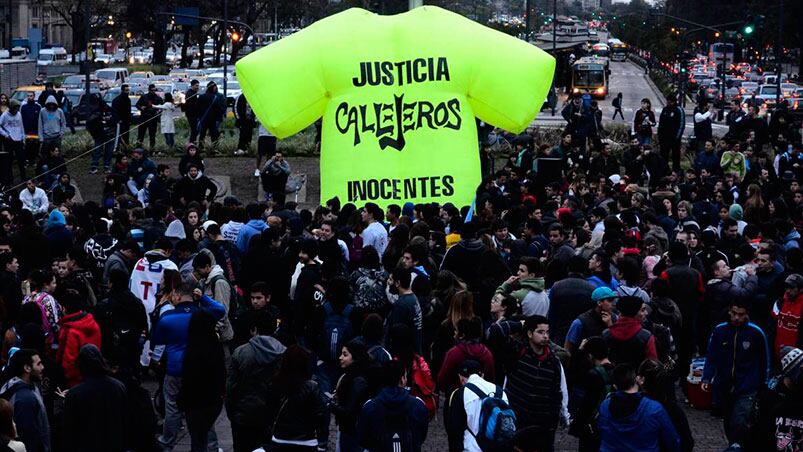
295, 369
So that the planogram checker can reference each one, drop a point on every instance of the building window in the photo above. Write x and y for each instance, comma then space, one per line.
35, 11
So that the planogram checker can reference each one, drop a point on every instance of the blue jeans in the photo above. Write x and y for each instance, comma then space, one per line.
736, 414
170, 139
173, 416
107, 149
645, 139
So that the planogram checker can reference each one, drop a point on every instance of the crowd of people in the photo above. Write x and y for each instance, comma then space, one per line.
580, 293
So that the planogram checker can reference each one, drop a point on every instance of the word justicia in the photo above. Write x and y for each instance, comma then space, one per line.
389, 121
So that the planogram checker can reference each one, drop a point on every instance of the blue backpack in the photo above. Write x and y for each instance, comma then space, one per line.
497, 426
337, 330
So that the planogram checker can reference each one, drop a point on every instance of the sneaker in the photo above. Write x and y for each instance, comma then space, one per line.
239, 152
256, 173
93, 171
107, 170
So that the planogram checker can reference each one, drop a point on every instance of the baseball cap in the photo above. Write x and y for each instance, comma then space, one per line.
138, 151
602, 293
791, 361
469, 367
208, 223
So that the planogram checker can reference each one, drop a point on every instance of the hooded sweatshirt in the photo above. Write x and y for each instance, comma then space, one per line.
77, 329
248, 231
59, 238
631, 422
11, 126
248, 383
30, 415
220, 291
447, 377
52, 124
372, 424
147, 275
624, 344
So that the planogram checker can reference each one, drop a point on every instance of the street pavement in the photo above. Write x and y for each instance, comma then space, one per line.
630, 80
707, 432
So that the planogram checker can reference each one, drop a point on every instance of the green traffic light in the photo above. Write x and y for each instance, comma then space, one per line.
748, 29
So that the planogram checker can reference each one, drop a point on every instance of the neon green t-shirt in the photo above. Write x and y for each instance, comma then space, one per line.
398, 95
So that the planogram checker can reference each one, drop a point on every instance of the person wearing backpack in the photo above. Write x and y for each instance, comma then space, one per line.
597, 384
394, 420
473, 406
536, 385
213, 283
419, 376
627, 341
335, 331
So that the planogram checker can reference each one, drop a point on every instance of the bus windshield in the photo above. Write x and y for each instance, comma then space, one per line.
589, 78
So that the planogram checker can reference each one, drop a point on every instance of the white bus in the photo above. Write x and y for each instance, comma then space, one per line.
54, 56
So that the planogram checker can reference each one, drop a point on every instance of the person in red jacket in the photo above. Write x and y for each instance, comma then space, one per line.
77, 328
628, 342
469, 334
787, 313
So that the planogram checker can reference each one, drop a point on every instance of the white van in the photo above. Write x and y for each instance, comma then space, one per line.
55, 56
113, 76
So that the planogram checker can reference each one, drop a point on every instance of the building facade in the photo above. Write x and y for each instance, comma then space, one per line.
40, 14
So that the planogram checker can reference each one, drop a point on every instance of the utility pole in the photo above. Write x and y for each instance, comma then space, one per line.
10, 28
554, 42
527, 24
225, 48
412, 4
87, 34
778, 54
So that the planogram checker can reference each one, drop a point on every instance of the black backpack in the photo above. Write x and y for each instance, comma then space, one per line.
398, 436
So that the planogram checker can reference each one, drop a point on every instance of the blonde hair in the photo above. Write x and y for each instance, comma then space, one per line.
461, 306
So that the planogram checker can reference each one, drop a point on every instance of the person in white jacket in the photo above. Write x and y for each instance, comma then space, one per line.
13, 133
34, 199
465, 414
169, 113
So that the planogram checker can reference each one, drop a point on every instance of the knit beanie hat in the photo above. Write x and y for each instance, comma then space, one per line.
736, 212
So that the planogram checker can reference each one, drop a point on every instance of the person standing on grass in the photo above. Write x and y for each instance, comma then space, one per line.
168, 120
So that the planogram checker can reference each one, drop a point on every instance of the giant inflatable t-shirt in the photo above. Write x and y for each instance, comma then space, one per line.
398, 95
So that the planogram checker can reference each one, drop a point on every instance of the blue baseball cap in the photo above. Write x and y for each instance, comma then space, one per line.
602, 293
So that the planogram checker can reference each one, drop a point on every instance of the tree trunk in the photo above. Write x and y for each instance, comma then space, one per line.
201, 44
185, 43
160, 46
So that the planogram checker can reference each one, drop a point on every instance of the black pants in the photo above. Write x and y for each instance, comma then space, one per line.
199, 422
17, 150
618, 110
246, 134
247, 438
673, 147
192, 121
6, 175
534, 439
122, 129
211, 127
150, 127
31, 151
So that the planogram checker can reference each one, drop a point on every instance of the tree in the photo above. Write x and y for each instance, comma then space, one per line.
73, 12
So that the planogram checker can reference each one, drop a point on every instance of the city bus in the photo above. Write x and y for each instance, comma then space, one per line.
618, 50
721, 54
589, 75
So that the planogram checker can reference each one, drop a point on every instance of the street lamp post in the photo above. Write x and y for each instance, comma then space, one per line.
225, 47
87, 33
778, 52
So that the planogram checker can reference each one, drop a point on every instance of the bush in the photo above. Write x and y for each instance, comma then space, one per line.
300, 144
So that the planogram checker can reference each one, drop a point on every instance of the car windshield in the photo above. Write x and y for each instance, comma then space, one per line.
769, 90
106, 75
74, 98
20, 96
45, 57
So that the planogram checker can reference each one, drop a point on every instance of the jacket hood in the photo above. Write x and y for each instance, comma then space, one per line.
393, 398
736, 212
175, 230
267, 349
12, 386
155, 256
471, 245
90, 361
51, 99
536, 284
793, 235
216, 270
627, 410
56, 218
475, 350
625, 328
197, 176
259, 225
80, 321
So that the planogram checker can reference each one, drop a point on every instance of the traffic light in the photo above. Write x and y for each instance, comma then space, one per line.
235, 36
748, 29
752, 23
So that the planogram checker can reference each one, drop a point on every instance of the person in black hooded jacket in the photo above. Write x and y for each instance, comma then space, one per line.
462, 258
351, 393
93, 417
195, 186
123, 322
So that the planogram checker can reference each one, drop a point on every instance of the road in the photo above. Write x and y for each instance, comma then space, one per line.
630, 80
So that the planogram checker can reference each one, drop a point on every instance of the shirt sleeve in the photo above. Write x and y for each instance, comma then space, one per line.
575, 331
509, 98
284, 82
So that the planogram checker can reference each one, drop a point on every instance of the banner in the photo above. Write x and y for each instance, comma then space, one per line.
398, 95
